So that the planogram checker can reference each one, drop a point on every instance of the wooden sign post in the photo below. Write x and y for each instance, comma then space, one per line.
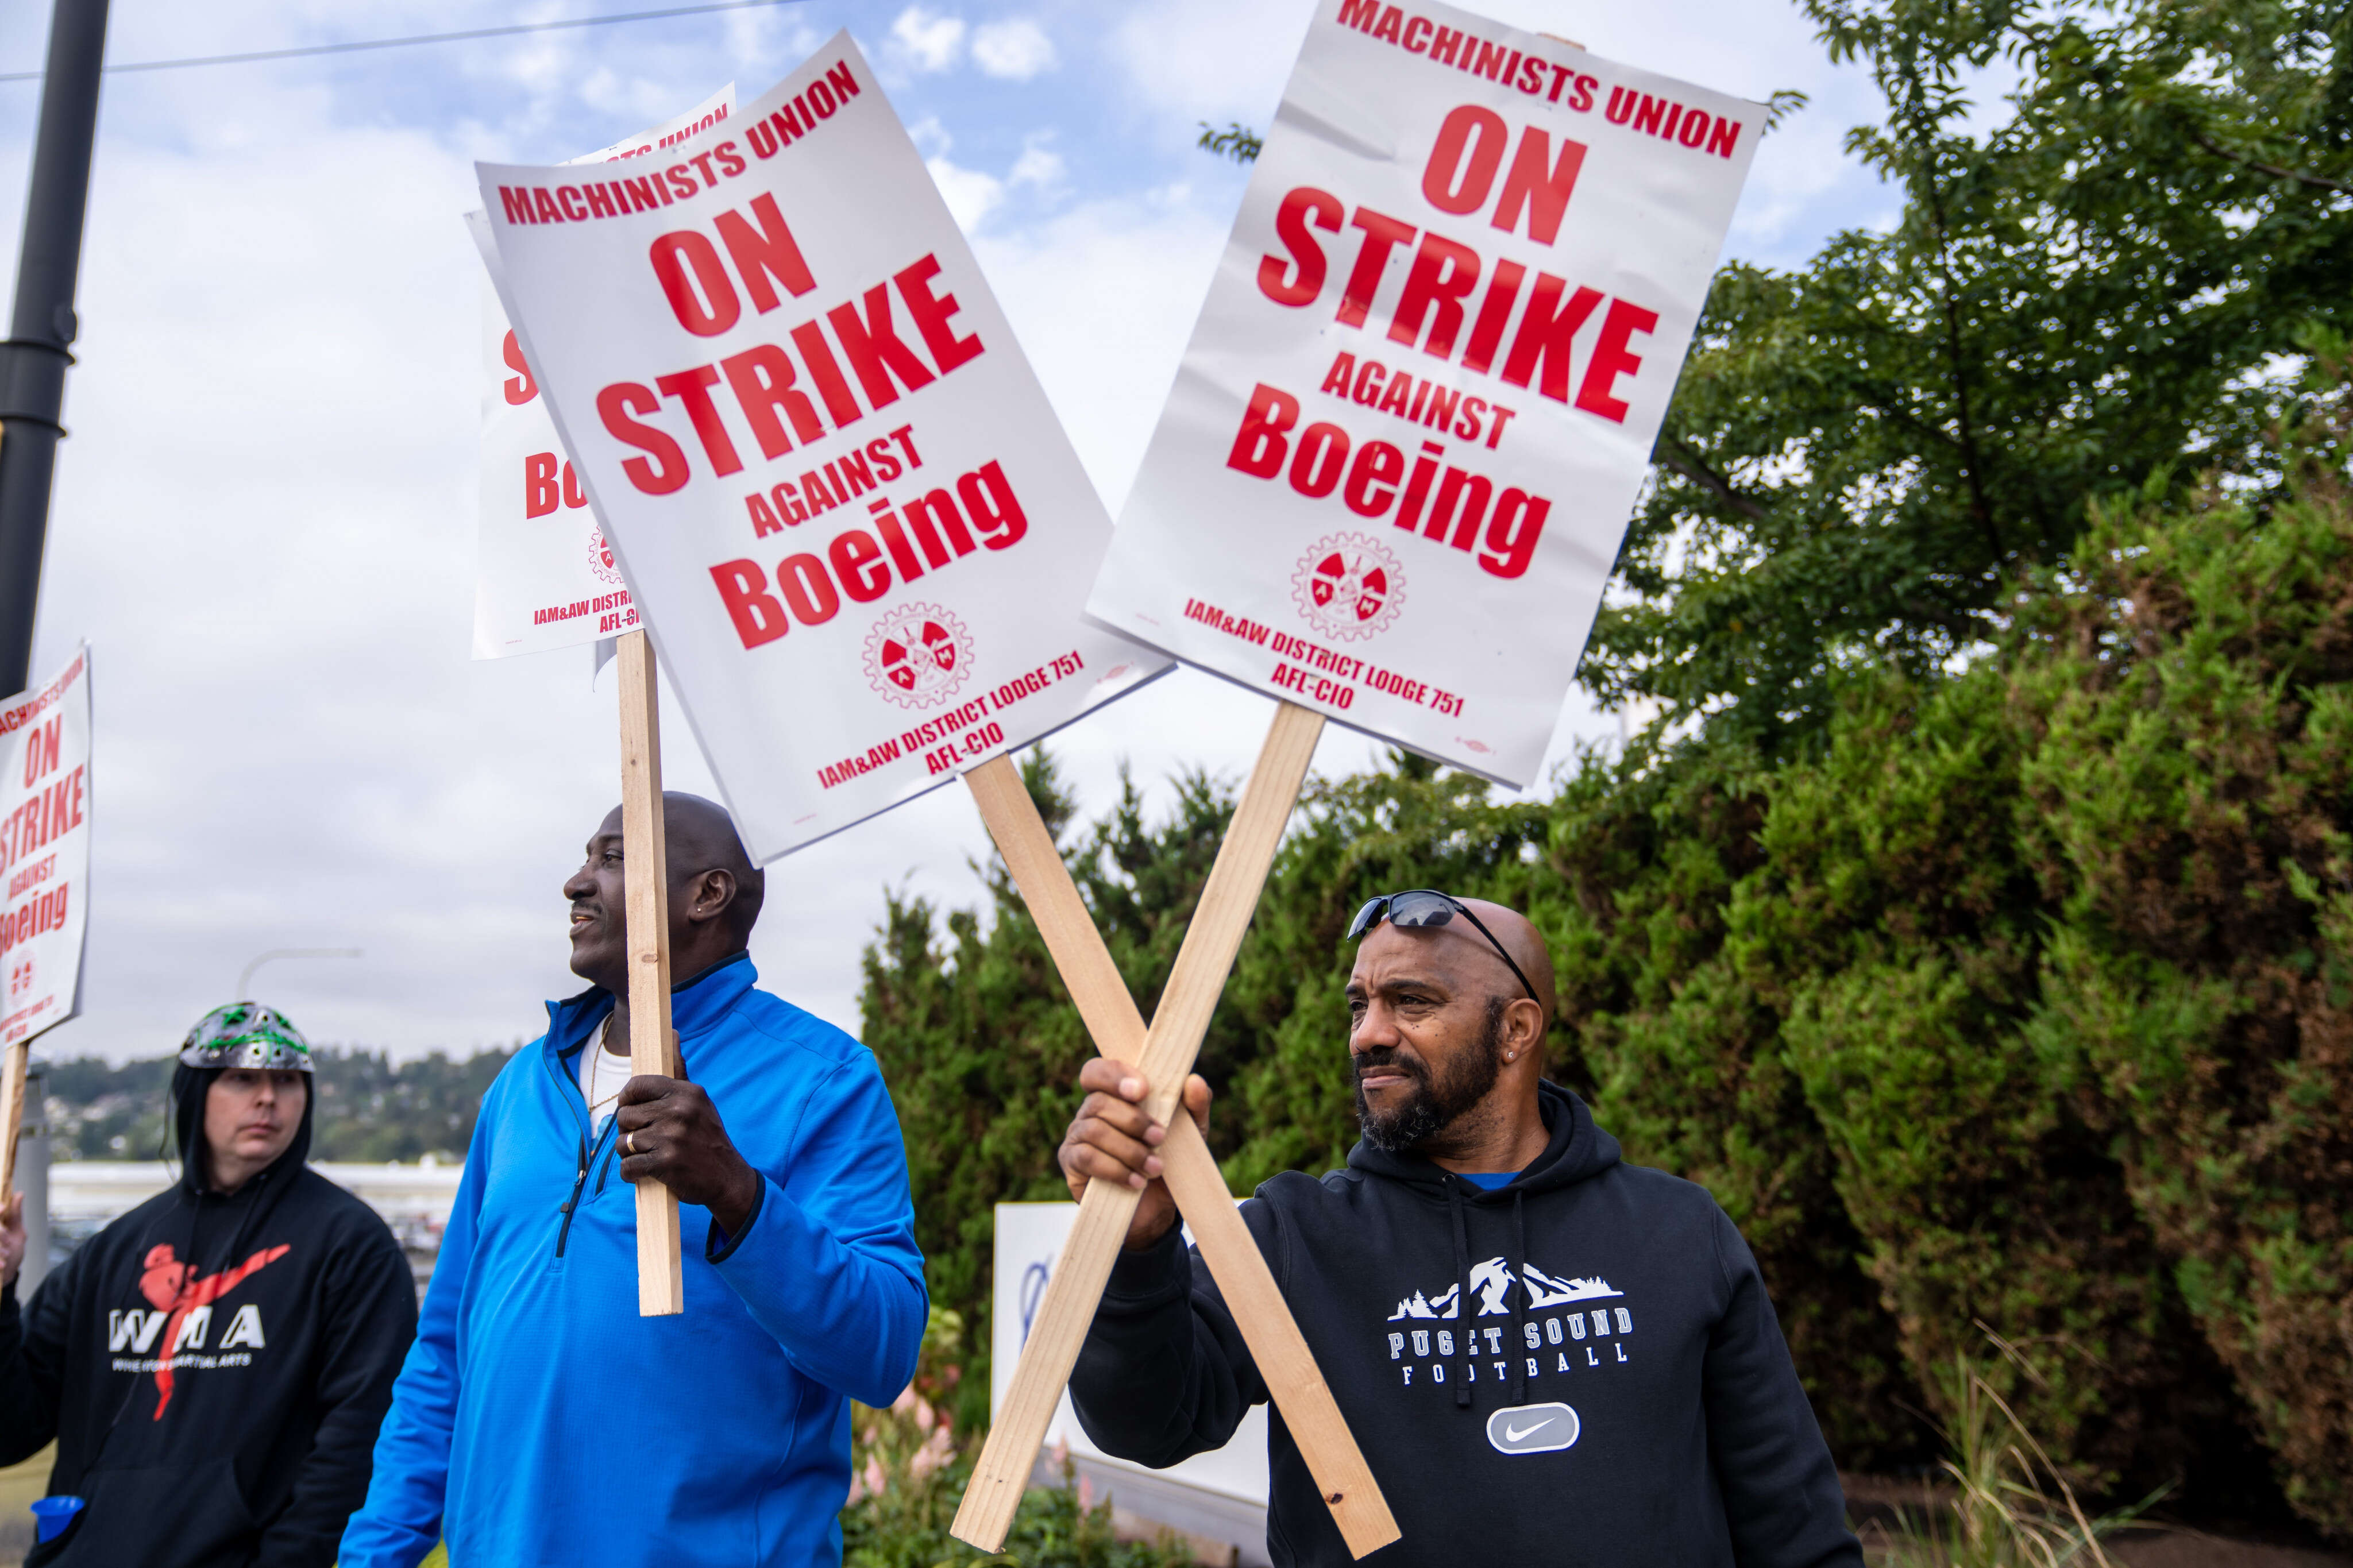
1164, 1053
12, 1114
653, 1044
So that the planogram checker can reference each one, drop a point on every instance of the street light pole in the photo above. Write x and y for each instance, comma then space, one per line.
245, 980
34, 357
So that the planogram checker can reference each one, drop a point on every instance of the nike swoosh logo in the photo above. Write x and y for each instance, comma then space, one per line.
1514, 1433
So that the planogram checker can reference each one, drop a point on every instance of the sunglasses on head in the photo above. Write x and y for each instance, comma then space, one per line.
1423, 906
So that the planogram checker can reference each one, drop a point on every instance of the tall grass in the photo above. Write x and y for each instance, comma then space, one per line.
2013, 1508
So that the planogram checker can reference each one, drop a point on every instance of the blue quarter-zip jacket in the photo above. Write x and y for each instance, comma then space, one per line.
539, 1420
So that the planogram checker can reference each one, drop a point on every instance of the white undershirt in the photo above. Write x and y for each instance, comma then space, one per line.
602, 1074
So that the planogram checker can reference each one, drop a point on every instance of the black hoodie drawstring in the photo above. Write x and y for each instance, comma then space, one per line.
1520, 1305
1461, 1291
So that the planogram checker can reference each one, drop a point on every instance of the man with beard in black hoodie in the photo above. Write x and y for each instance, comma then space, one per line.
1548, 1356
213, 1364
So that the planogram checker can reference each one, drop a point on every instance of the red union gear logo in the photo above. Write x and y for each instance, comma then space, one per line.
20, 977
600, 558
917, 655
1348, 586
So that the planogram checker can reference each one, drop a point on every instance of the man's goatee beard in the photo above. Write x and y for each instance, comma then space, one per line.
1433, 1107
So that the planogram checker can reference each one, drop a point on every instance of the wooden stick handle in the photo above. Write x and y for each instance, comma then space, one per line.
653, 1045
12, 1114
1229, 898
1284, 1362
1109, 1010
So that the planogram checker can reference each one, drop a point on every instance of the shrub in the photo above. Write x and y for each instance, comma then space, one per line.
910, 1469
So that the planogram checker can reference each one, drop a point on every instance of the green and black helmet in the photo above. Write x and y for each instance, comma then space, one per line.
246, 1035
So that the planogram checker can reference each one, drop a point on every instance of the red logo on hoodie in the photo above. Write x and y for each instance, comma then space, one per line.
171, 1284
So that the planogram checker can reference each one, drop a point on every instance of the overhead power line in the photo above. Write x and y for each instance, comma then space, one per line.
351, 48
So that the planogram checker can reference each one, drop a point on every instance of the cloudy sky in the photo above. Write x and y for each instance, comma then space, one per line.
264, 515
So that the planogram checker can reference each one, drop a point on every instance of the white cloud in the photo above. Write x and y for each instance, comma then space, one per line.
1038, 165
971, 195
1215, 59
1015, 50
928, 40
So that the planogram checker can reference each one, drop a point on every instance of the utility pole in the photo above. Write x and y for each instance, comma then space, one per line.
33, 359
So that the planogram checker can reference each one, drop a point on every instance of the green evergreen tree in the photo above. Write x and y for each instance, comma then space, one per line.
2097, 292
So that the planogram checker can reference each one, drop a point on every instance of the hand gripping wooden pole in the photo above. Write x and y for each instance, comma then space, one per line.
1165, 1054
653, 1046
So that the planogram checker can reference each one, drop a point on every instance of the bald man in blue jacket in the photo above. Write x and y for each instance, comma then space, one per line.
539, 1419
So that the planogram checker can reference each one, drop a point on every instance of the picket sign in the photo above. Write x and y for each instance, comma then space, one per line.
541, 586
1391, 477
1424, 138
834, 486
1163, 1055
45, 833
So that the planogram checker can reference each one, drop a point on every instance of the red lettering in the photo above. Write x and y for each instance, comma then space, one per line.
1446, 182
1610, 360
1306, 270
875, 350
765, 252
1381, 232
743, 589
692, 388
929, 516
668, 471
806, 587
1442, 275
1260, 446
678, 254
818, 354
761, 379
539, 492
1512, 532
858, 561
1495, 311
1372, 479
1545, 334
1540, 185
988, 497
520, 387
934, 314
1310, 474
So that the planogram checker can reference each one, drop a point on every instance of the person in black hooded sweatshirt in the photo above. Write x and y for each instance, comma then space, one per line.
214, 1364
1547, 1355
